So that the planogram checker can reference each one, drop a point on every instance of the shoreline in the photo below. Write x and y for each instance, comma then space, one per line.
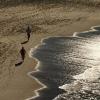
92, 28
42, 85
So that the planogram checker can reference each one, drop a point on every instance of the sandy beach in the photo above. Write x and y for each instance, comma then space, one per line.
47, 21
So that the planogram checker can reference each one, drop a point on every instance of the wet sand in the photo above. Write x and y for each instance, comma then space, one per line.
56, 21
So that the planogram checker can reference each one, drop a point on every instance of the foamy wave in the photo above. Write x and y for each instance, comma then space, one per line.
31, 53
89, 79
75, 86
95, 28
90, 74
92, 29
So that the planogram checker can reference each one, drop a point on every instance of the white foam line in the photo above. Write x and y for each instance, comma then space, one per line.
51, 37
36, 70
92, 29
36, 91
43, 86
75, 34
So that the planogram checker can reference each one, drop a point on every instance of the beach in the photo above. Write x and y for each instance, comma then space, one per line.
47, 21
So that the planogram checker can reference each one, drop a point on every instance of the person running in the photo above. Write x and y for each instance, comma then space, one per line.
28, 31
22, 52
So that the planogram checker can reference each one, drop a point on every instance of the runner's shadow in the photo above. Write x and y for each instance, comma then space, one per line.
18, 64
24, 42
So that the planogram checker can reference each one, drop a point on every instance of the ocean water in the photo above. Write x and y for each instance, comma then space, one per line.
69, 67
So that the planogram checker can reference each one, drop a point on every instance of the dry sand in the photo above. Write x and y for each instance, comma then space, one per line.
15, 84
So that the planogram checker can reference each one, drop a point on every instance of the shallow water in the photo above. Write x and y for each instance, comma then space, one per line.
69, 66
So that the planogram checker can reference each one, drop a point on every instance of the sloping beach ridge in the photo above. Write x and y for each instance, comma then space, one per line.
45, 21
